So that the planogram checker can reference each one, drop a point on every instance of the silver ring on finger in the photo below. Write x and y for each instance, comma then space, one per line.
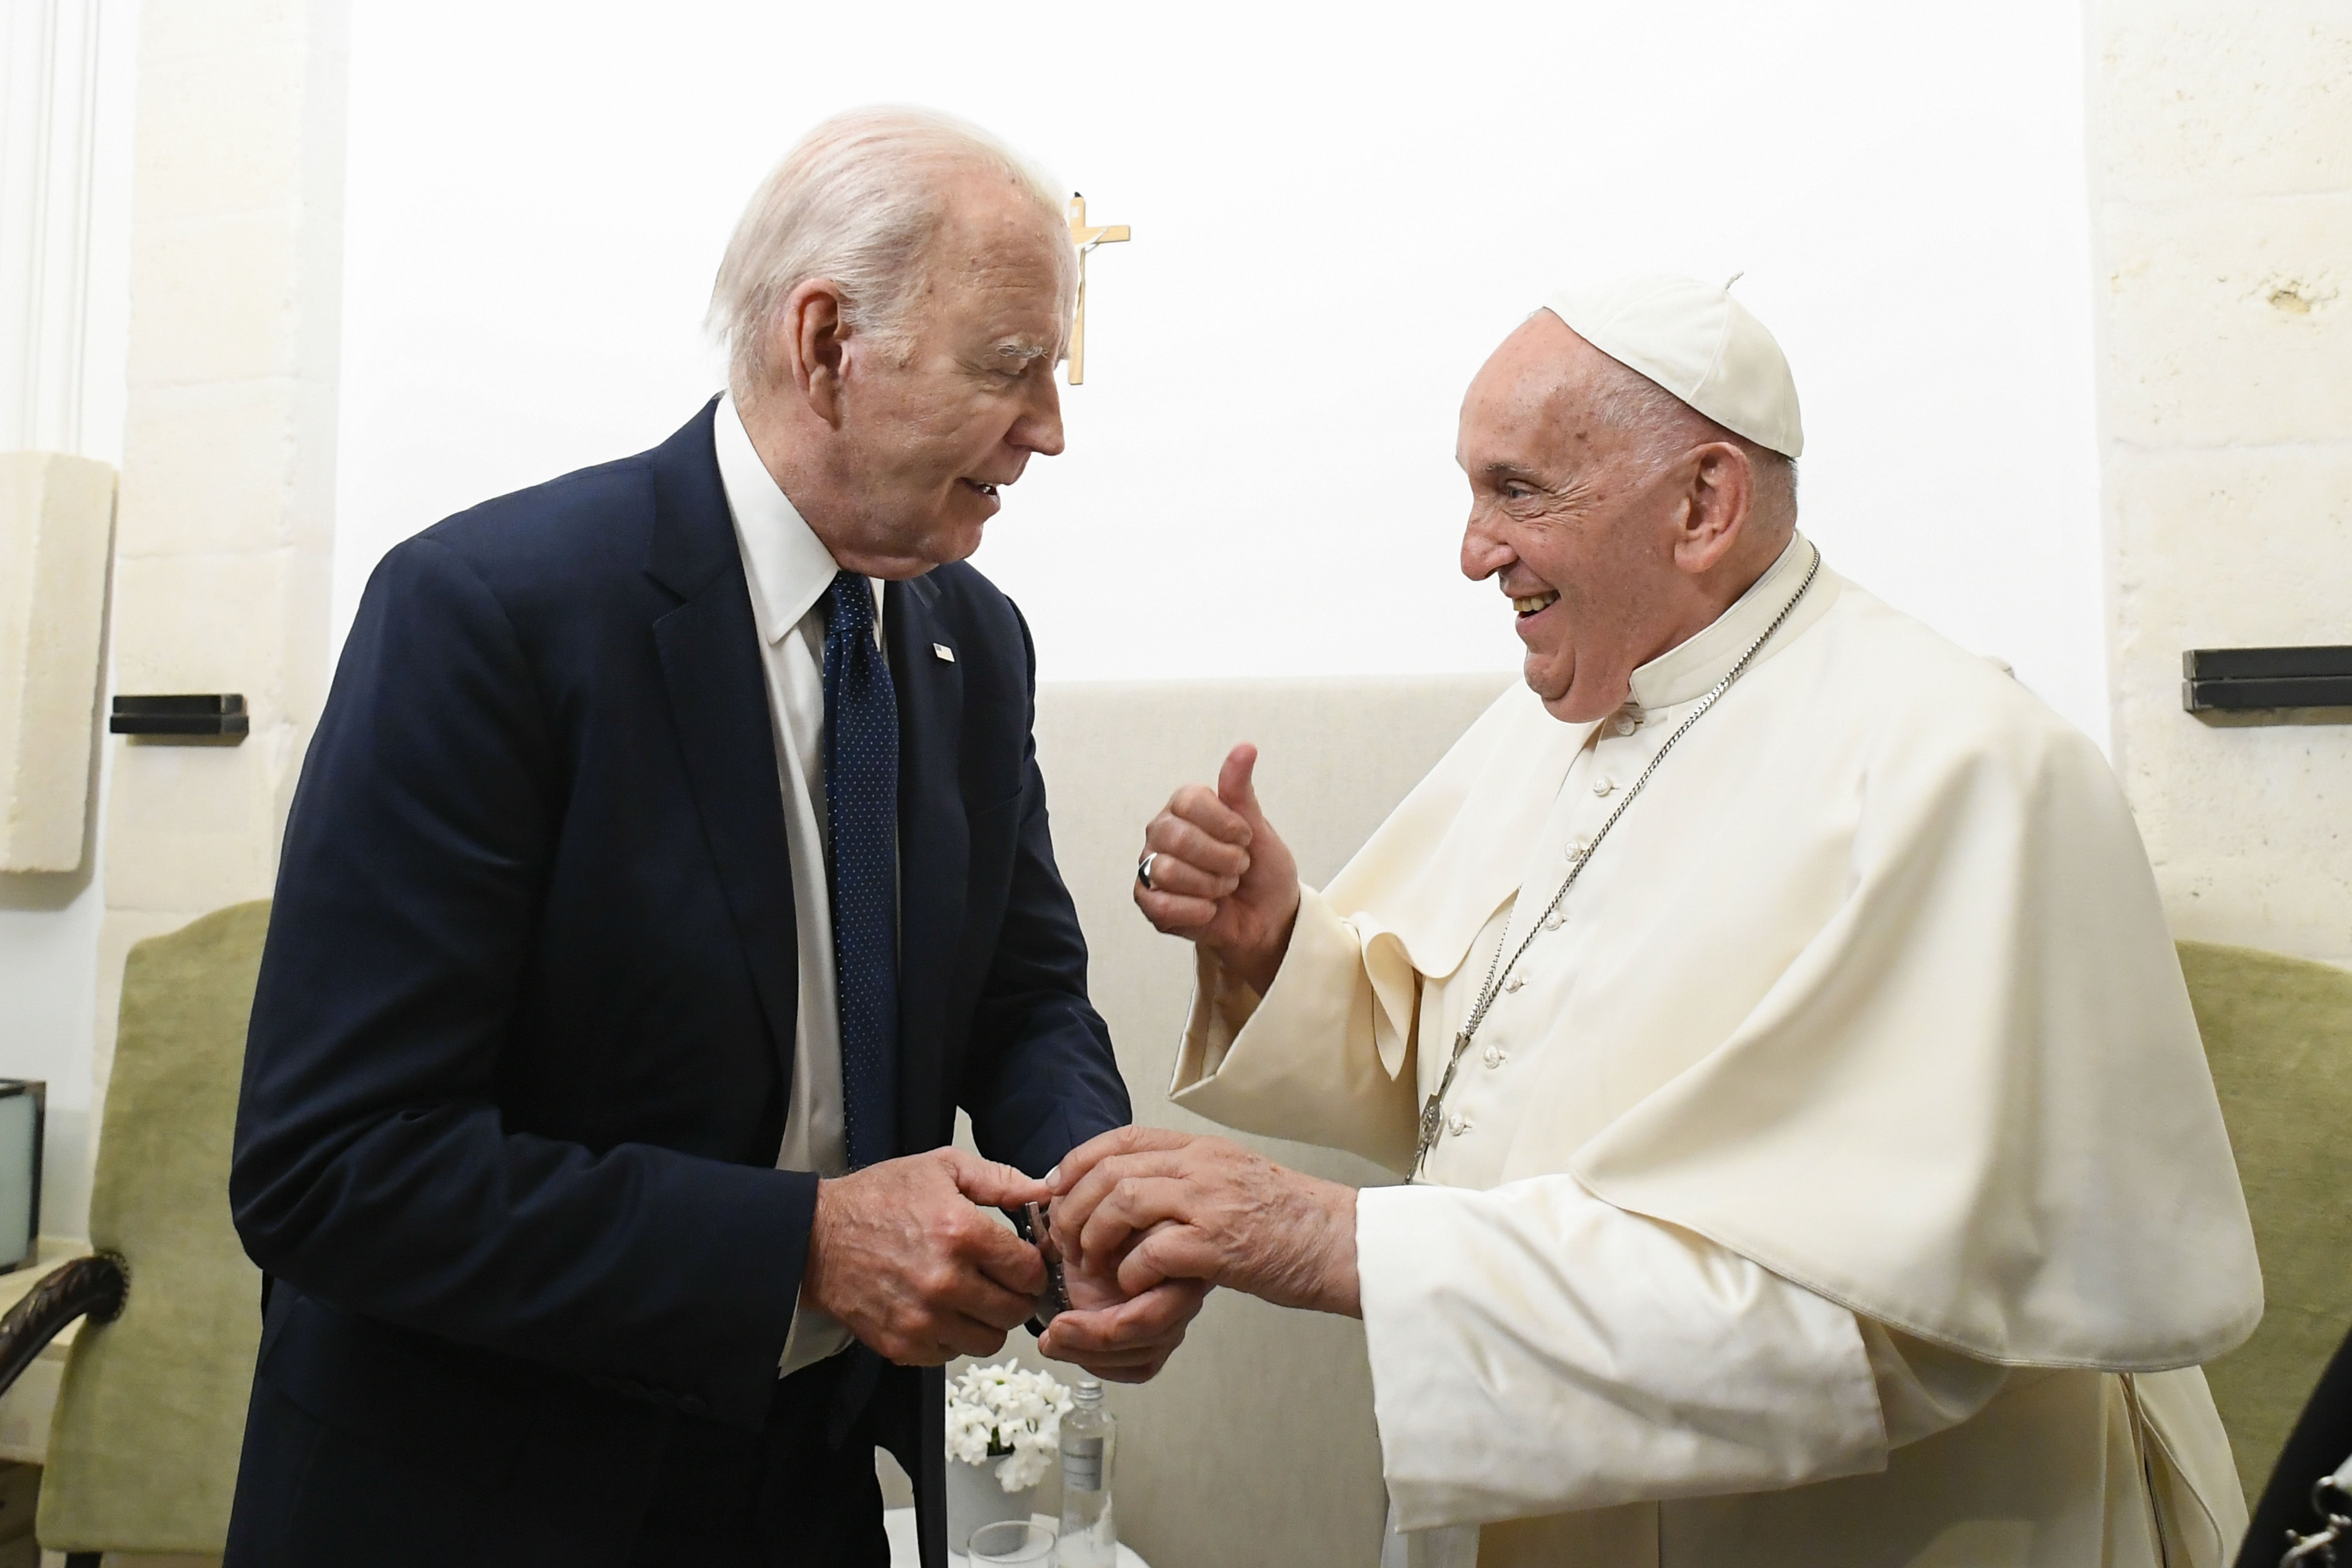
1143, 871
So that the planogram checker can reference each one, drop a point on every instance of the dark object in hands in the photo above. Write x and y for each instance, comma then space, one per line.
1056, 1298
92, 1285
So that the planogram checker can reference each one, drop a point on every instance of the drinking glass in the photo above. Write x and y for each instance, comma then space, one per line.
1011, 1541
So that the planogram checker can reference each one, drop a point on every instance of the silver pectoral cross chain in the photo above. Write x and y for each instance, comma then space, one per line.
1432, 1111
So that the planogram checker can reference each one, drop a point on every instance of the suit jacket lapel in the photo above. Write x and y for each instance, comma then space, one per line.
934, 853
709, 651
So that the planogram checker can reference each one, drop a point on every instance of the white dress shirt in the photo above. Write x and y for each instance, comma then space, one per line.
790, 571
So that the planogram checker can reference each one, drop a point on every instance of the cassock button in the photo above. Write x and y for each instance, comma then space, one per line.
1602, 786
1552, 923
1514, 983
1496, 1056
1459, 1125
1626, 724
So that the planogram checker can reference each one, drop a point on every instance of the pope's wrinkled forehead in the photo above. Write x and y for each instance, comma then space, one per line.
1537, 400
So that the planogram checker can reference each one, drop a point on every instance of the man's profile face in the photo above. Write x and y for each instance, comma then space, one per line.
932, 431
1565, 515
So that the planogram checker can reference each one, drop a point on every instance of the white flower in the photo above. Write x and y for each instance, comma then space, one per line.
967, 1434
1022, 1471
1010, 1413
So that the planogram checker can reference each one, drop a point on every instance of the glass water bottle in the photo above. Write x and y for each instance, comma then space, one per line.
1089, 1537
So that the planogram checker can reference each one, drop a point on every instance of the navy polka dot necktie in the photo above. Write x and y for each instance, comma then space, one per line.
861, 800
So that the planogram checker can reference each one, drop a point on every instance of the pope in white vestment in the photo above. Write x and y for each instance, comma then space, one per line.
1834, 1156
1834, 1180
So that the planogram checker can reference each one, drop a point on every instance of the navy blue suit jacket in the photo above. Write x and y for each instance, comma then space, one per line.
523, 1038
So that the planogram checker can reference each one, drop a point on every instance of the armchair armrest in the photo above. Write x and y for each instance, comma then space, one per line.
95, 1286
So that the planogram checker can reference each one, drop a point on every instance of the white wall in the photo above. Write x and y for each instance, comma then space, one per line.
2222, 168
70, 69
1338, 214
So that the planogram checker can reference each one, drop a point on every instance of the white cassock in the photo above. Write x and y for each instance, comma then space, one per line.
1838, 1184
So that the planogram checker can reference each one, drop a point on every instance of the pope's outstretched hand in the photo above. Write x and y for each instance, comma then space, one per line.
1118, 1337
1145, 1205
1219, 874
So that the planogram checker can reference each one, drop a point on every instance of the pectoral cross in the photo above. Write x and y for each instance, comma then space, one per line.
1432, 1128
1086, 239
1433, 1110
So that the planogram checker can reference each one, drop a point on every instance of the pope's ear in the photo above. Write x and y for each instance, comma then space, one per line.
809, 344
1721, 497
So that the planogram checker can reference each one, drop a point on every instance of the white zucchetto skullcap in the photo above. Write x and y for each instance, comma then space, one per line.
1699, 344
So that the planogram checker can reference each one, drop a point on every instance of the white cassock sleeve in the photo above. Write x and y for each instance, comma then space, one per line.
1341, 1093
1536, 1350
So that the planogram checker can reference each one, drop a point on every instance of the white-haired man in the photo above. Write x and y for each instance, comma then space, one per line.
1815, 1162
670, 865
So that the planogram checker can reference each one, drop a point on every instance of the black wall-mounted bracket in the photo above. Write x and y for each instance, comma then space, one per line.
2247, 680
214, 717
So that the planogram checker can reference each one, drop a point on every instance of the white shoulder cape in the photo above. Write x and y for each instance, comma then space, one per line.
1962, 1092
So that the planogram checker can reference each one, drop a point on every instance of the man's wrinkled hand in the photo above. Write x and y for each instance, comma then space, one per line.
902, 1254
1142, 1205
1117, 1337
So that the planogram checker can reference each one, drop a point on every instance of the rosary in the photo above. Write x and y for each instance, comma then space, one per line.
1433, 1112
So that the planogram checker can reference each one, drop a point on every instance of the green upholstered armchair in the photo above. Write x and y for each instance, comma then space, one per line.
149, 1416
2278, 1032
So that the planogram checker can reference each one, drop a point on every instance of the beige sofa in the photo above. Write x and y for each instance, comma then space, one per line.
1256, 1445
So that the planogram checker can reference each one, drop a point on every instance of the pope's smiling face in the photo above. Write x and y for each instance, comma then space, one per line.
1574, 517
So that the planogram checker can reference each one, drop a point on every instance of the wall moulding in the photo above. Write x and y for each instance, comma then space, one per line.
49, 52
57, 530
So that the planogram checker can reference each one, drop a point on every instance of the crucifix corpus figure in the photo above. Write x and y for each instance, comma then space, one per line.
1086, 239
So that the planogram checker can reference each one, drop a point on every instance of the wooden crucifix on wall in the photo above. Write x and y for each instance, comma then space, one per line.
1085, 239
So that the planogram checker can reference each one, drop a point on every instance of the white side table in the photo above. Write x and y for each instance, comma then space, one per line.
900, 1523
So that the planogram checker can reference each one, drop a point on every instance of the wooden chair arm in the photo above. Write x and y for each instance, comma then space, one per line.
95, 1286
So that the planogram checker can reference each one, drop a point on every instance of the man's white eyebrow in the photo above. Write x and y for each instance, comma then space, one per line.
1023, 349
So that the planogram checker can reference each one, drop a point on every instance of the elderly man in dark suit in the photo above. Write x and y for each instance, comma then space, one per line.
670, 863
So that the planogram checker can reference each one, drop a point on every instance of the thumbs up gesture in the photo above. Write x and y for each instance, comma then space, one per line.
1216, 873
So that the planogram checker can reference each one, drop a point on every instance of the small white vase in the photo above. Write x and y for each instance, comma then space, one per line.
975, 1498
